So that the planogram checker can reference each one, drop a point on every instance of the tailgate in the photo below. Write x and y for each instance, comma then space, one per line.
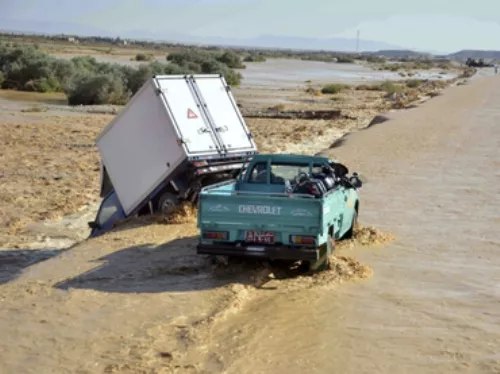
186, 111
239, 213
223, 113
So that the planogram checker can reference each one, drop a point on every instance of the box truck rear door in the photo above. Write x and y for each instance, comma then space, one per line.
224, 114
190, 121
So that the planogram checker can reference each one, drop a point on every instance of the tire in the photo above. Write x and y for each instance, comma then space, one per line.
349, 234
167, 203
323, 263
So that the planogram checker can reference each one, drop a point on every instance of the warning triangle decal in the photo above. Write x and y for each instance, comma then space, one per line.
191, 114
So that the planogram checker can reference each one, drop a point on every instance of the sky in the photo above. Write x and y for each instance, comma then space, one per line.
427, 25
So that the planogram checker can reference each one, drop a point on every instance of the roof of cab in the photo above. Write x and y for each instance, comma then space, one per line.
290, 158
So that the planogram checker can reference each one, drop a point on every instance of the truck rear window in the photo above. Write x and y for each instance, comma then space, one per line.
279, 172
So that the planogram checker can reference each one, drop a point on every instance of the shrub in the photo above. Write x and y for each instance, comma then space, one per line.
231, 59
337, 98
254, 58
345, 60
97, 90
28, 69
369, 87
414, 83
278, 107
232, 77
334, 88
376, 59
43, 85
313, 91
197, 56
390, 87
89, 82
143, 57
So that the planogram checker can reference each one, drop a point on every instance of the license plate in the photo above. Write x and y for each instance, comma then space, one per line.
264, 237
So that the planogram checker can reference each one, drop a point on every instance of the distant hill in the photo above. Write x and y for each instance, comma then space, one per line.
263, 41
298, 43
401, 53
475, 54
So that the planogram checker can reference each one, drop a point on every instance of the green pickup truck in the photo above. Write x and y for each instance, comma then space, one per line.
281, 207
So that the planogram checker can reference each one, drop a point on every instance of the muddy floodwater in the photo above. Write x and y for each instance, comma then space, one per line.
433, 304
139, 300
293, 72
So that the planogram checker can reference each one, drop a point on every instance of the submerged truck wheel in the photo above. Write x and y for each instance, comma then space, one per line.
323, 263
167, 203
349, 234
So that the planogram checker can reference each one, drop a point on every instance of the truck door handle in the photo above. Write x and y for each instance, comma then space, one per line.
221, 128
202, 130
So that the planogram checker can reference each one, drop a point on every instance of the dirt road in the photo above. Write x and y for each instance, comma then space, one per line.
126, 304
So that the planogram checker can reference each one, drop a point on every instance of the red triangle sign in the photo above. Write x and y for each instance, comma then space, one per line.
191, 114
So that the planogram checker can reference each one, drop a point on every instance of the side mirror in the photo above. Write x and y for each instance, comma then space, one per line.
93, 225
355, 181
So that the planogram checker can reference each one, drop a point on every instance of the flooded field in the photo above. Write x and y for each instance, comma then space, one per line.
292, 73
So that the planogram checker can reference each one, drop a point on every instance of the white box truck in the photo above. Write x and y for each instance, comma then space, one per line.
176, 135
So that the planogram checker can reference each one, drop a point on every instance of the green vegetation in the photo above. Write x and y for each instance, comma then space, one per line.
313, 91
390, 87
195, 59
386, 86
414, 83
334, 88
345, 60
85, 81
337, 98
254, 58
374, 59
143, 57
419, 64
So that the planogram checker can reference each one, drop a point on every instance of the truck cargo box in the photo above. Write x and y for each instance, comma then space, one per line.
171, 120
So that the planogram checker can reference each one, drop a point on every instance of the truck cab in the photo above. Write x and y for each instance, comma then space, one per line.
283, 207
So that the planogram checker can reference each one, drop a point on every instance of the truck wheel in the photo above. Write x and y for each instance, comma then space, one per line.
349, 234
167, 203
323, 263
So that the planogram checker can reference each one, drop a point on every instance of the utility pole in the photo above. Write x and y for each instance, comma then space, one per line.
357, 42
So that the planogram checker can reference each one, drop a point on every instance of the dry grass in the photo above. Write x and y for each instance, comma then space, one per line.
35, 109
54, 98
44, 171
184, 213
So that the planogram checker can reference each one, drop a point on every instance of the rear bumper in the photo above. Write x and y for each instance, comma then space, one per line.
265, 252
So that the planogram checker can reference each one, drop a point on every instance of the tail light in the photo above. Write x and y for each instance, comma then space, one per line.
300, 239
200, 163
215, 235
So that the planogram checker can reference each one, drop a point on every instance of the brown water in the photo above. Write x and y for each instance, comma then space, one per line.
433, 304
127, 303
